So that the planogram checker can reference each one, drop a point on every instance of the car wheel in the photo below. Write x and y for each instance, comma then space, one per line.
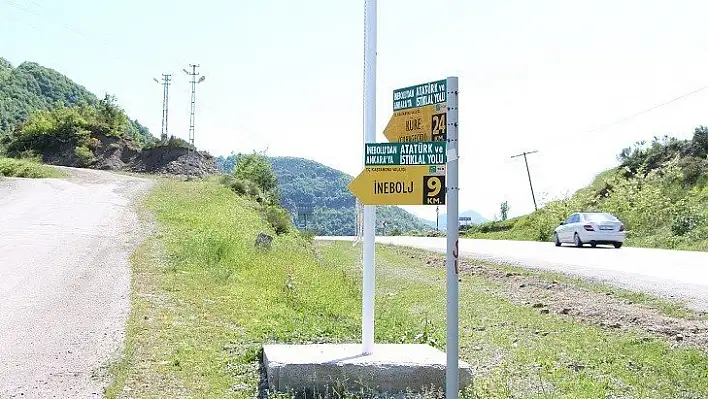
578, 243
593, 244
556, 240
618, 245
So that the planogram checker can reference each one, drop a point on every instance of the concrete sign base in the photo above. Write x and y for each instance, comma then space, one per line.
391, 369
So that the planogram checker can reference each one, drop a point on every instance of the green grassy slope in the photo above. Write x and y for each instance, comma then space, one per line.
659, 191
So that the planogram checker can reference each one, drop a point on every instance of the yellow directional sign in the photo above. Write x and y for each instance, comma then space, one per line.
400, 185
426, 123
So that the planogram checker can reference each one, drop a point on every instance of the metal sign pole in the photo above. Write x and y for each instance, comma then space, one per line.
452, 371
367, 314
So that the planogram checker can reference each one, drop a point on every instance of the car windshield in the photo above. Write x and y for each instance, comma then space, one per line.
599, 217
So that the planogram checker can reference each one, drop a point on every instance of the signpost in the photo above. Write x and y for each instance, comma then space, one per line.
419, 166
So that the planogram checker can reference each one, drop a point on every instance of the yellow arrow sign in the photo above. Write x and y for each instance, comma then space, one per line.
400, 185
427, 123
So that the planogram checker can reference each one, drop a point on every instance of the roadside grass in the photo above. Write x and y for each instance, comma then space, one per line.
11, 167
519, 351
204, 300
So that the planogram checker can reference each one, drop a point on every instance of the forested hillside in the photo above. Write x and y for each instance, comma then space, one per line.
307, 184
31, 88
659, 190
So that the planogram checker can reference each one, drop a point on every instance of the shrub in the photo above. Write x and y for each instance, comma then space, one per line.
171, 142
84, 156
684, 223
256, 168
93, 143
308, 235
227, 180
24, 168
240, 187
693, 170
278, 218
252, 189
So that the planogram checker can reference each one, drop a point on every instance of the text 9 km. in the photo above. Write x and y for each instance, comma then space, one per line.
433, 190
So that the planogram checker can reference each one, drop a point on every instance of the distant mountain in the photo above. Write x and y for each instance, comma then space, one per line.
303, 182
476, 219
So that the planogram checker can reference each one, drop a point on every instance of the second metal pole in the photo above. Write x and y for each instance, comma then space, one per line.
452, 344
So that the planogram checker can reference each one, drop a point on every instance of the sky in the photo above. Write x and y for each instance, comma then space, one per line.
287, 77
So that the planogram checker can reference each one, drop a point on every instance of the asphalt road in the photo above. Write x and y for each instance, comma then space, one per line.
64, 280
679, 275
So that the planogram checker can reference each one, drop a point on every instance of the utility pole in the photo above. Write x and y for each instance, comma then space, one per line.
166, 79
529, 173
194, 83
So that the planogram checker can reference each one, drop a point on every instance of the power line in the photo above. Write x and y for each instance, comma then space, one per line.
108, 42
649, 109
55, 21
529, 173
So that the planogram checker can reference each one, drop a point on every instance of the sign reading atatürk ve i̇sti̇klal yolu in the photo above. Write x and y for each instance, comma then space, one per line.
420, 95
420, 153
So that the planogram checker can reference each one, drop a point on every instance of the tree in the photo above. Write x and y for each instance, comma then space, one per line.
256, 168
700, 142
504, 209
111, 116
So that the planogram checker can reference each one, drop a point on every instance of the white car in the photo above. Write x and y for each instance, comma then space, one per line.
590, 228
